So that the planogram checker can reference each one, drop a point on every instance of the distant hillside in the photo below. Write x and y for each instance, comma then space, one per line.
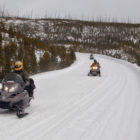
37, 55
119, 40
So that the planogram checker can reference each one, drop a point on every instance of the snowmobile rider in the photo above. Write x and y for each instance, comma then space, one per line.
95, 63
91, 56
18, 68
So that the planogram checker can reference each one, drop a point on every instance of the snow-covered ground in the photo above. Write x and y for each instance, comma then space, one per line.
69, 105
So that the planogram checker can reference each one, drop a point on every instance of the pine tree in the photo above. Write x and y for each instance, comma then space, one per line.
44, 63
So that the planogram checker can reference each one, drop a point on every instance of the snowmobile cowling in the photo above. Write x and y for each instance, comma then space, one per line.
12, 95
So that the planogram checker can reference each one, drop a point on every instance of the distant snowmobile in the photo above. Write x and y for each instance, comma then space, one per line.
91, 56
13, 96
95, 70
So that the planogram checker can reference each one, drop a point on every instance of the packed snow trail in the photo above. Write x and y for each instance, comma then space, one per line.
69, 105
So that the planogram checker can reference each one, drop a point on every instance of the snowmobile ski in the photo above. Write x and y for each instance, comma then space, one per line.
22, 115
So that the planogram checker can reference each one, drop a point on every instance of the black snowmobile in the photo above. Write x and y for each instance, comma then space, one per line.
91, 57
13, 96
95, 71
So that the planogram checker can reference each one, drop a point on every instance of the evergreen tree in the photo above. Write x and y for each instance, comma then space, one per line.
44, 63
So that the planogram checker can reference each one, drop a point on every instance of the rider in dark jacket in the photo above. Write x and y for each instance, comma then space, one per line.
95, 63
18, 68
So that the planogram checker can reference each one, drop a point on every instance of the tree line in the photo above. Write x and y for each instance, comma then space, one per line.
37, 56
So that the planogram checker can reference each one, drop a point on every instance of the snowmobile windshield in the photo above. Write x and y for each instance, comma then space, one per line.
14, 77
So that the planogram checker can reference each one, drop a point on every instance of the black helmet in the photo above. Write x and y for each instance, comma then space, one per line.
95, 61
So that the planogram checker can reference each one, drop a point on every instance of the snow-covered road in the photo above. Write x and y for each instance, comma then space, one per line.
69, 105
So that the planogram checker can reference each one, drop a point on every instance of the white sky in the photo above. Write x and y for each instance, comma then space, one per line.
122, 10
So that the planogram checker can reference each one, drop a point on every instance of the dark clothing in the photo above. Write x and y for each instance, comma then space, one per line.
29, 87
23, 74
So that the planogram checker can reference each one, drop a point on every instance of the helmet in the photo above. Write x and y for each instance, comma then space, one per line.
95, 61
18, 65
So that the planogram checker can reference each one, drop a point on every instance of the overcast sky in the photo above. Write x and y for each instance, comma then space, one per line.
122, 10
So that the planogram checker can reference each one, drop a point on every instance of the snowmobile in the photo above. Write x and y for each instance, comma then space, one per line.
91, 56
95, 71
13, 96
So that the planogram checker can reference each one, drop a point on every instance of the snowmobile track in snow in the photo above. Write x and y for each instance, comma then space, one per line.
71, 105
